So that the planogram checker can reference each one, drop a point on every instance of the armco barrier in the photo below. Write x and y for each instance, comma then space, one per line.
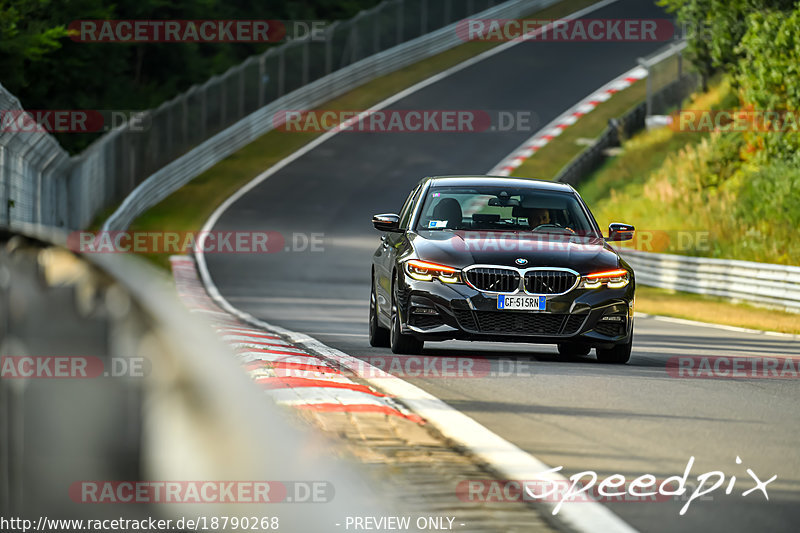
762, 284
188, 411
40, 184
180, 171
667, 93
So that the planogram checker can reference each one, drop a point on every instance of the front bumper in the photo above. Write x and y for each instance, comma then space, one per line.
435, 311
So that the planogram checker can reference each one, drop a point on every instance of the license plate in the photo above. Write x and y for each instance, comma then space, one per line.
526, 303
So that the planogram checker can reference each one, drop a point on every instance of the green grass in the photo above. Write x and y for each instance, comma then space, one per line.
705, 308
626, 175
702, 184
556, 154
190, 206
646, 151
636, 164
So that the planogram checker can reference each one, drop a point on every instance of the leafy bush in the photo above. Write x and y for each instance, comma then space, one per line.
742, 187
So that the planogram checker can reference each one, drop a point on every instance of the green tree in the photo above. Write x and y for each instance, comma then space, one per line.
26, 35
714, 28
768, 76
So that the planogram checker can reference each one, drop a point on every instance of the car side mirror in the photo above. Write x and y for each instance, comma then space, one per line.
386, 222
620, 232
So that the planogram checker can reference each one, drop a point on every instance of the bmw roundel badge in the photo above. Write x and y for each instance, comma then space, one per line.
521, 261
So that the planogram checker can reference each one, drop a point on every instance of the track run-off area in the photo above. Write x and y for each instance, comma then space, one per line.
645, 417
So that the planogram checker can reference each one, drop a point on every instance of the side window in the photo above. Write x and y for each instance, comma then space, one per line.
408, 207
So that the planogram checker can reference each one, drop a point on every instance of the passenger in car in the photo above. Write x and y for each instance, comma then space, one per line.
450, 210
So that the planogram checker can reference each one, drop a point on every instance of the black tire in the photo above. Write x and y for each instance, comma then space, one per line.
378, 335
618, 355
401, 343
573, 348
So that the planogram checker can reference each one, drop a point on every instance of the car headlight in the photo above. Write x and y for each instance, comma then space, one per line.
425, 271
613, 279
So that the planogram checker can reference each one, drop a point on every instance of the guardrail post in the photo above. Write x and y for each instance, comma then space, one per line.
39, 212
223, 97
354, 44
329, 31
185, 120
281, 69
203, 111
7, 173
168, 111
376, 31
306, 67
241, 94
649, 84
399, 20
338, 59
262, 72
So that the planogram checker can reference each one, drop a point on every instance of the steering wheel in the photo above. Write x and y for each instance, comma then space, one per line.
557, 226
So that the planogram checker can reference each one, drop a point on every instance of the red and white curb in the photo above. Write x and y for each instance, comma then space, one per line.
509, 461
556, 127
289, 374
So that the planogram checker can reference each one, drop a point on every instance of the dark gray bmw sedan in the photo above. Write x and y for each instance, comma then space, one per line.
500, 259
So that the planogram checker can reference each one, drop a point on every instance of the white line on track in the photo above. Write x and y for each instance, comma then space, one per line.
503, 457
380, 105
697, 323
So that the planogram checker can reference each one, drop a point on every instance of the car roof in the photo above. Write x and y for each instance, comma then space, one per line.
466, 181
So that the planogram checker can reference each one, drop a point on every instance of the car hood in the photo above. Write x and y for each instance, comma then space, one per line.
460, 249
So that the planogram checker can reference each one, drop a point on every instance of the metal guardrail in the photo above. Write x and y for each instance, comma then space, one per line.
183, 169
40, 184
663, 93
763, 284
190, 414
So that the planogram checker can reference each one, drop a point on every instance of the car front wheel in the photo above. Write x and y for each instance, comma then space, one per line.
618, 355
400, 342
378, 335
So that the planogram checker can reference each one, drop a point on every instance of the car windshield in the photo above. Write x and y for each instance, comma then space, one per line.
498, 208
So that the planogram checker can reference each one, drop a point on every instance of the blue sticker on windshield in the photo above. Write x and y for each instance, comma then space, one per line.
437, 224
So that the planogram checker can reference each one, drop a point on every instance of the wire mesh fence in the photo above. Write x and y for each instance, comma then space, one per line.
667, 73
34, 172
669, 82
184, 122
40, 183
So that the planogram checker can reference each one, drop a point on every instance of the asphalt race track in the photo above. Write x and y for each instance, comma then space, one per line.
632, 420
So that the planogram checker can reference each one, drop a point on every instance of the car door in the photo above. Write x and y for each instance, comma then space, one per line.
386, 255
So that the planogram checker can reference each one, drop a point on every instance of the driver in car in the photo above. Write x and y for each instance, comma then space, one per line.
541, 216
538, 216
